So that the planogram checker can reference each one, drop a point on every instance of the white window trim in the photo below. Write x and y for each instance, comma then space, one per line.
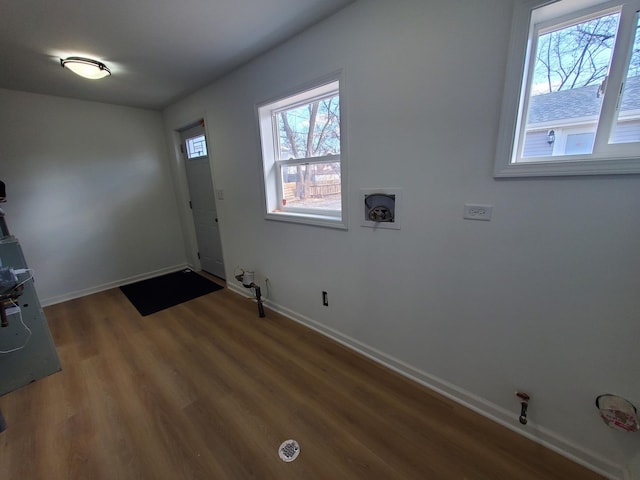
271, 165
626, 159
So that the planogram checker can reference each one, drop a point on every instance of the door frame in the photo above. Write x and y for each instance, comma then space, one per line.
183, 194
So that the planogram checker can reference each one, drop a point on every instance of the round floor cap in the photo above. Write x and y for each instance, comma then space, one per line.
289, 450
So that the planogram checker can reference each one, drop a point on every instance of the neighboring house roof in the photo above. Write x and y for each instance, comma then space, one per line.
578, 102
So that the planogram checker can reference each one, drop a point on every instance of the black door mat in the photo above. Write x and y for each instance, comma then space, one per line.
155, 294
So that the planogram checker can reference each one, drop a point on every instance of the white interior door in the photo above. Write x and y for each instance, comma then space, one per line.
203, 203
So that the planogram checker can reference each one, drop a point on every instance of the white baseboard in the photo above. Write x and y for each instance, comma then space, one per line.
479, 405
106, 286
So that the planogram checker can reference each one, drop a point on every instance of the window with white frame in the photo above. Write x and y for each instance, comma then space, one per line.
572, 91
302, 156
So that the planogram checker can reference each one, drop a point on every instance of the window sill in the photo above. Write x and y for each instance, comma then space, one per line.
552, 168
305, 219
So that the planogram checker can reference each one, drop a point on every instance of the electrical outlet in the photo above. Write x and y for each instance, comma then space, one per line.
325, 299
477, 212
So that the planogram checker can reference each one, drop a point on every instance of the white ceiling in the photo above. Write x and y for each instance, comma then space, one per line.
158, 50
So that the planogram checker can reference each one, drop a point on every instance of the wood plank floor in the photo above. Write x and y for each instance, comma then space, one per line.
207, 390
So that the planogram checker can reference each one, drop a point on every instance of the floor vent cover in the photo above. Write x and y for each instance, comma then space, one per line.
289, 450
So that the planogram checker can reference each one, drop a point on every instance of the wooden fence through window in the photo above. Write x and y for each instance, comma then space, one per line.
313, 190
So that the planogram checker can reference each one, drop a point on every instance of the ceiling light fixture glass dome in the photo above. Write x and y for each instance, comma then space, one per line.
86, 67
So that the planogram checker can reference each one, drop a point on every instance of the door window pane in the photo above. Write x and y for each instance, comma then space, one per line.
196, 147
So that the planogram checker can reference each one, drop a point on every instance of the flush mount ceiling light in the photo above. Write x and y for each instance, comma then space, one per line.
86, 67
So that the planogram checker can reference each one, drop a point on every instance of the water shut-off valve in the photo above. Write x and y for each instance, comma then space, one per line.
524, 404
247, 280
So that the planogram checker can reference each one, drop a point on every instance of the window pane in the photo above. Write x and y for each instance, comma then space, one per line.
315, 186
570, 67
627, 127
311, 130
196, 147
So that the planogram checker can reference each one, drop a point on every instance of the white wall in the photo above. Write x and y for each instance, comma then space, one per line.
543, 298
89, 192
634, 468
